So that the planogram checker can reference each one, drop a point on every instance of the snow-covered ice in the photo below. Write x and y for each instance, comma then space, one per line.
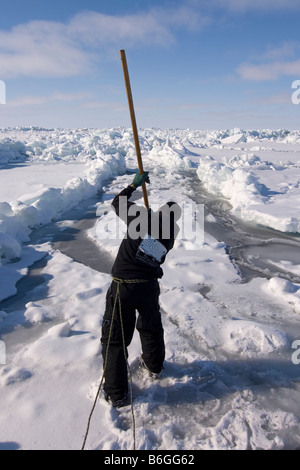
229, 380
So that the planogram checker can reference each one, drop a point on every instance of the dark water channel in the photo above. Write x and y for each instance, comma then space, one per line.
72, 239
254, 250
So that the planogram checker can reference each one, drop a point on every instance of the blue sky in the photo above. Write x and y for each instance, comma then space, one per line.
199, 64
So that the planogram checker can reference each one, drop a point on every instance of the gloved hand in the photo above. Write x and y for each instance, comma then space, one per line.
140, 179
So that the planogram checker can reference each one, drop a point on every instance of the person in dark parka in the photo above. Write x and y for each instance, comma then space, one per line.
136, 270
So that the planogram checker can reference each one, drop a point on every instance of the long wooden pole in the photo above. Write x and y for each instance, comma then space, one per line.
133, 123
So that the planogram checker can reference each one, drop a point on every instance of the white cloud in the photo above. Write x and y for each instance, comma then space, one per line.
96, 29
279, 98
111, 105
273, 71
275, 63
30, 100
286, 50
242, 6
40, 49
52, 49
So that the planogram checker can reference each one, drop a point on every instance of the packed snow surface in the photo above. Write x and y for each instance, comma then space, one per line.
231, 377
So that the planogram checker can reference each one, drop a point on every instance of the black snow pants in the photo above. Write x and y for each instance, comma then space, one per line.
143, 297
